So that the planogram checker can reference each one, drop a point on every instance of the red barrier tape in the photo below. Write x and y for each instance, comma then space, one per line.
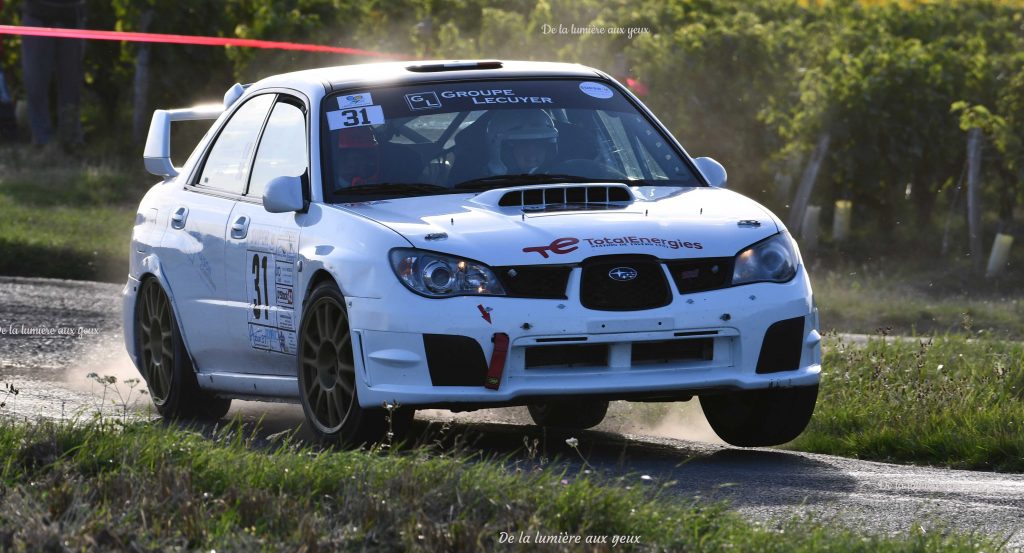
126, 36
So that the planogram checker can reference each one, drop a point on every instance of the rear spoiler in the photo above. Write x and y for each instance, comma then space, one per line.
157, 155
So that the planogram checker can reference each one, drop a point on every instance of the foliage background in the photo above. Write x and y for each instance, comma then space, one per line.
751, 83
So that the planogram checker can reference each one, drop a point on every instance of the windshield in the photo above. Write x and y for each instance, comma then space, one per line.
443, 138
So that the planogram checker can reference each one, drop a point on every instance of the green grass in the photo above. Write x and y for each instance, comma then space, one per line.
64, 218
943, 401
918, 300
100, 485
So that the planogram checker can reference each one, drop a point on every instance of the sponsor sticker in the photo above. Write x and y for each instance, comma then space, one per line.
355, 100
557, 246
286, 342
485, 312
566, 245
596, 90
422, 100
284, 273
272, 339
286, 319
355, 117
285, 296
495, 96
260, 336
669, 243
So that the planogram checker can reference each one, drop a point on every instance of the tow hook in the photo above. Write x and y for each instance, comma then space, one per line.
497, 365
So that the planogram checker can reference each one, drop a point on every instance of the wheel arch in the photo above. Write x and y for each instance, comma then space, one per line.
151, 269
320, 276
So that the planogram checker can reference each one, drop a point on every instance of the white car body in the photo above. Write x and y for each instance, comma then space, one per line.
193, 242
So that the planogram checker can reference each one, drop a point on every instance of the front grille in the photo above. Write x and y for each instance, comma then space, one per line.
700, 349
699, 275
647, 290
535, 281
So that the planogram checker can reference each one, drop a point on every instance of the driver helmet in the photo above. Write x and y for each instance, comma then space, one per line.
358, 156
520, 141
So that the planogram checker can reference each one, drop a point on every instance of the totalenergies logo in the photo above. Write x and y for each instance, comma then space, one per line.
561, 246
557, 246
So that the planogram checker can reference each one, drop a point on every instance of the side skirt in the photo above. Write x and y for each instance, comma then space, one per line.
253, 386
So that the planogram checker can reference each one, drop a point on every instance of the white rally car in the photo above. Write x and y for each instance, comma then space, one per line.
461, 235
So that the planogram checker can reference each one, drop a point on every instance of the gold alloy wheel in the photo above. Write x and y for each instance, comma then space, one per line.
328, 369
156, 340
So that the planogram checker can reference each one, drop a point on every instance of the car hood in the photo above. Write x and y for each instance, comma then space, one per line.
686, 223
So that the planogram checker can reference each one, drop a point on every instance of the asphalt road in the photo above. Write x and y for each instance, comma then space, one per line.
54, 333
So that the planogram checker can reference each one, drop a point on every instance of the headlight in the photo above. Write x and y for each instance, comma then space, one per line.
771, 260
437, 275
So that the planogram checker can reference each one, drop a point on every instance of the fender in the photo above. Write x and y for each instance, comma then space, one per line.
151, 268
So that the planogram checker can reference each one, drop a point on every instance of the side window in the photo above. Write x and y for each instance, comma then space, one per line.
227, 166
282, 150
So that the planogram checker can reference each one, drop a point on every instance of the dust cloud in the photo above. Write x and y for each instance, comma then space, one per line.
681, 421
104, 358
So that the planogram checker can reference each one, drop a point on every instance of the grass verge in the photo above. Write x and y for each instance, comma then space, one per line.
147, 486
64, 218
944, 401
906, 298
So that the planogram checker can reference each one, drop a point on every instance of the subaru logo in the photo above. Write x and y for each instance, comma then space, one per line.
622, 274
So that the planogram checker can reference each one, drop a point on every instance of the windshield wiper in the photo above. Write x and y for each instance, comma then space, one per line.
524, 178
393, 188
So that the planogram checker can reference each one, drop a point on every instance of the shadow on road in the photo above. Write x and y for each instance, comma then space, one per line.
744, 477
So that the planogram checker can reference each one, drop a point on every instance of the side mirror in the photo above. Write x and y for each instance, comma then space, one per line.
712, 170
283, 194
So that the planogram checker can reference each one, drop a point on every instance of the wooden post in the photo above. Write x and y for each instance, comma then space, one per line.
784, 178
1000, 253
140, 88
974, 197
803, 194
809, 229
841, 220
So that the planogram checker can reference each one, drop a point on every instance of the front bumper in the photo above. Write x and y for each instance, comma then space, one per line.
726, 329
129, 295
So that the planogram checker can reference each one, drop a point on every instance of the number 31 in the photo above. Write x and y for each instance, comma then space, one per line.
354, 117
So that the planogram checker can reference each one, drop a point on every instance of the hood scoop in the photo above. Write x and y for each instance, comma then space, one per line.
565, 197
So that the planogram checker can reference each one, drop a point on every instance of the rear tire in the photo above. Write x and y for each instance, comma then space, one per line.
576, 414
755, 418
327, 377
165, 363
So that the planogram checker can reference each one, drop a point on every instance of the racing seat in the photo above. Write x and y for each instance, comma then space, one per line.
470, 152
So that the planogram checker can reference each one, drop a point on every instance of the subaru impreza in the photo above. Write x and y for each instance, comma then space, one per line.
370, 240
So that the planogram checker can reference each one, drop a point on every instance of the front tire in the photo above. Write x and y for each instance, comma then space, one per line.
164, 362
756, 418
575, 414
327, 377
